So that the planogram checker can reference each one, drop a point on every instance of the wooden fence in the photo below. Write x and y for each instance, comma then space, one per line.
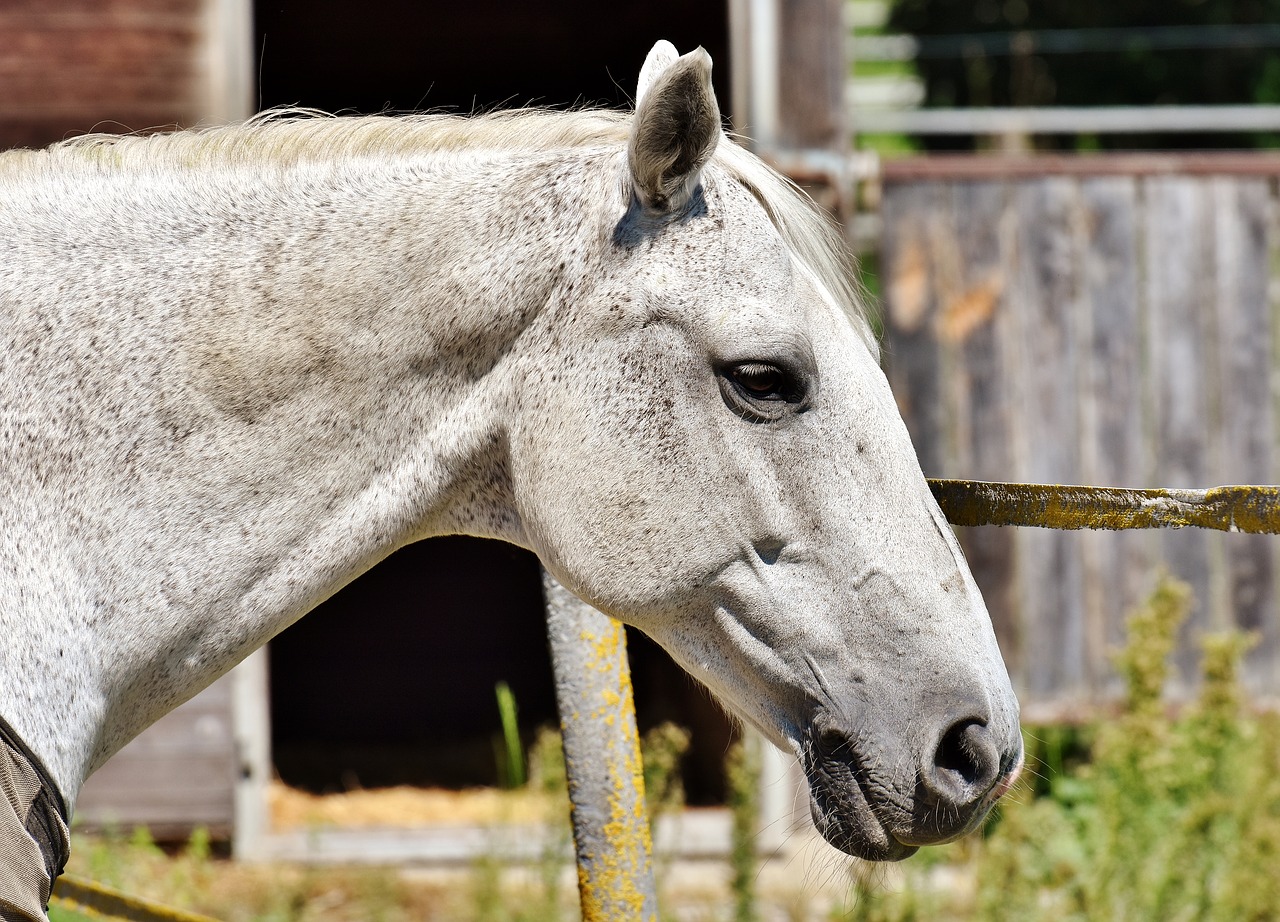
1098, 320
179, 774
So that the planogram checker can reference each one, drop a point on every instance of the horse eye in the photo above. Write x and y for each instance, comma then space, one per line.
762, 392
762, 381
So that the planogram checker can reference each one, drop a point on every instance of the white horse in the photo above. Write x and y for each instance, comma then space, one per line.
238, 367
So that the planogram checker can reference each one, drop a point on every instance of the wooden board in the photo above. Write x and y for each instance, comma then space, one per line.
978, 317
1177, 253
1045, 274
1245, 432
179, 774
1111, 408
1117, 327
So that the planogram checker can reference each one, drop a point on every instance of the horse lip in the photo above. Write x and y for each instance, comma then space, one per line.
1007, 781
839, 797
869, 837
870, 840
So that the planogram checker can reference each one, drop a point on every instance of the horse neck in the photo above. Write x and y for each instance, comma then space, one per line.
301, 375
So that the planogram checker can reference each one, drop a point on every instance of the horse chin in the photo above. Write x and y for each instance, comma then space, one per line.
844, 815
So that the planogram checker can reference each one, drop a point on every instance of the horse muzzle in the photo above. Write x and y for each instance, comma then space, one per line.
865, 808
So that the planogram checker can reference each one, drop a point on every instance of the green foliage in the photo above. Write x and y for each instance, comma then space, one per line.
191, 878
491, 897
661, 750
1172, 817
872, 900
547, 777
546, 766
494, 899
511, 764
58, 914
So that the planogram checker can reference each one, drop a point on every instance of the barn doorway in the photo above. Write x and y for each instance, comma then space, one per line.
392, 680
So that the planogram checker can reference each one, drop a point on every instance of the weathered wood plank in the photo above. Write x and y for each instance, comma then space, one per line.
1176, 253
1246, 432
1111, 411
974, 327
908, 282
1046, 296
1133, 343
178, 773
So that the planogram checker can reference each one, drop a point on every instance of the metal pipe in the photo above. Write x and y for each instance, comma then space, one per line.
602, 759
1069, 120
98, 901
1254, 509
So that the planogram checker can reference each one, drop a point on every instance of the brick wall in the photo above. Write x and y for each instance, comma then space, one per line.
71, 66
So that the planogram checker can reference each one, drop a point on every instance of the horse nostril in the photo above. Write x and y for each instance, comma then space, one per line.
965, 764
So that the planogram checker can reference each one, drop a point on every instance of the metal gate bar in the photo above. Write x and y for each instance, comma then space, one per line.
1254, 509
97, 900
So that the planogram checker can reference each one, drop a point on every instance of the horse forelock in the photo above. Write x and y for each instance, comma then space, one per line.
282, 137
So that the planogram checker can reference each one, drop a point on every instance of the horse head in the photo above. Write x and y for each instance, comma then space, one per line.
715, 457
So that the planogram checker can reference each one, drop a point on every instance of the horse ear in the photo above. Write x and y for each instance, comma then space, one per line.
675, 129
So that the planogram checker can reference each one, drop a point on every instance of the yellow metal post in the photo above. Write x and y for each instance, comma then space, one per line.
602, 760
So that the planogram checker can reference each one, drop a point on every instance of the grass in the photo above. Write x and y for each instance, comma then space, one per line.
192, 879
743, 768
511, 767
58, 914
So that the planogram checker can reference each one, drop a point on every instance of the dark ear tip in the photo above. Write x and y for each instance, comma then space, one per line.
696, 64
675, 131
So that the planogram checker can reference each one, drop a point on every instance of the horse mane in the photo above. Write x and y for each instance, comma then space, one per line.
284, 137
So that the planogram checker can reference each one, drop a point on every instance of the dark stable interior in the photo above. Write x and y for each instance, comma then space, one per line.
392, 680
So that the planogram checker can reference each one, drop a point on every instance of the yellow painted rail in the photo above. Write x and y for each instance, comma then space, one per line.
95, 900
1254, 509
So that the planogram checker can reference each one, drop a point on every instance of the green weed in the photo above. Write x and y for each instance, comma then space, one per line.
1168, 819
511, 762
